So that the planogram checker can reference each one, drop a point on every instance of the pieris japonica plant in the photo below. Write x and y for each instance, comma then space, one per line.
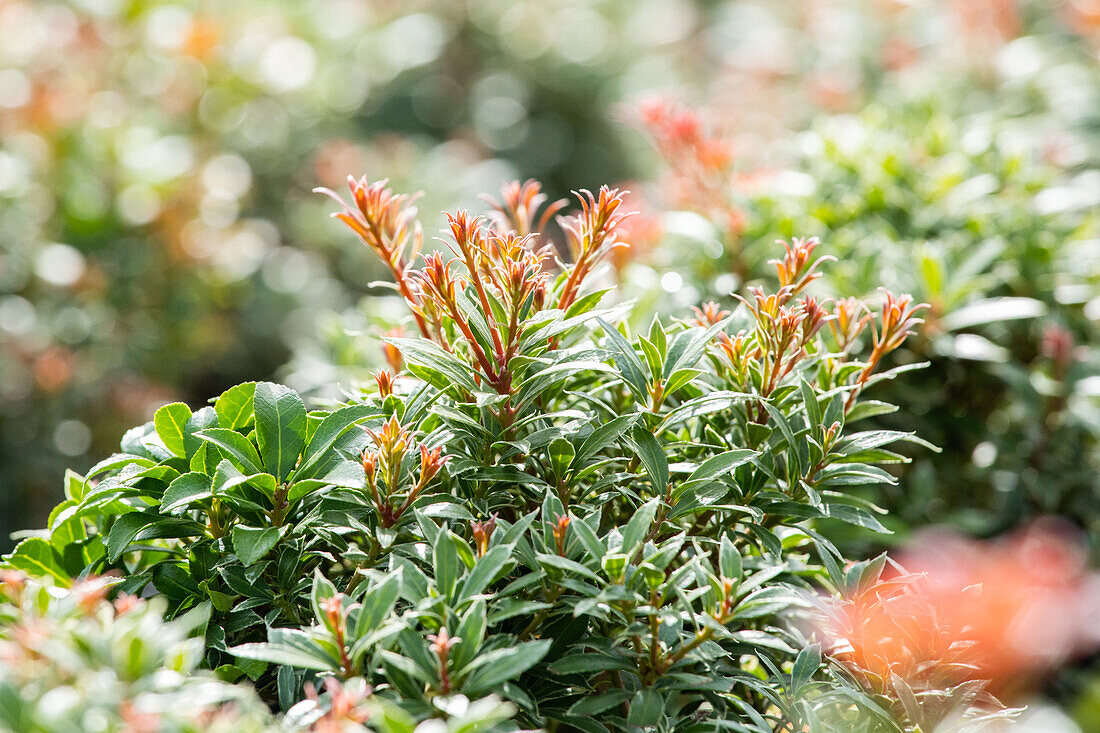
537, 514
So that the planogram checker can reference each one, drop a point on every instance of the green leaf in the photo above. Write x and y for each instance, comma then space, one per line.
537, 384
690, 345
500, 665
591, 542
290, 647
185, 490
175, 582
485, 569
253, 543
471, 631
704, 405
280, 427
170, 422
646, 708
637, 528
447, 563
322, 590
593, 704
117, 461
36, 557
426, 354
124, 530
858, 442
234, 406
331, 429
794, 457
627, 361
681, 378
729, 559
66, 526
813, 408
377, 602
721, 464
858, 517
652, 455
869, 408
561, 453
588, 662
603, 436
201, 420
239, 449
566, 565
805, 665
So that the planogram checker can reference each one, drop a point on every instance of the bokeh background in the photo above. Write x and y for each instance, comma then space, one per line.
159, 241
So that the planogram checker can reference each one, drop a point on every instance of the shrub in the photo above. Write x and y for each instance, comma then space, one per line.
607, 530
995, 238
159, 239
75, 661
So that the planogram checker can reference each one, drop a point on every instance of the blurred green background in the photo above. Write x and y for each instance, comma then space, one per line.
159, 241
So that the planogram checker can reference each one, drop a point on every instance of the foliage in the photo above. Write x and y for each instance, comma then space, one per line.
159, 239
952, 209
609, 530
74, 660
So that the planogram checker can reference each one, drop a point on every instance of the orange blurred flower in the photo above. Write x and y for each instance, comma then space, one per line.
640, 233
1000, 611
699, 156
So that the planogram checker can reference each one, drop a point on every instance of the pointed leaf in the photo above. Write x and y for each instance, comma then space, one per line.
253, 543
280, 427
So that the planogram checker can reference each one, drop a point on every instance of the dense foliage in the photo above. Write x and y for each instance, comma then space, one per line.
609, 530
76, 661
160, 241
965, 213
533, 418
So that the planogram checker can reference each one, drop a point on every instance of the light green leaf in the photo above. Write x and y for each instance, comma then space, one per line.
287, 646
377, 602
36, 557
636, 530
170, 422
805, 665
646, 708
485, 569
234, 406
124, 530
447, 563
652, 456
729, 559
335, 425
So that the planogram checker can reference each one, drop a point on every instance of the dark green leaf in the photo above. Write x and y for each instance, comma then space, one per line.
500, 665
185, 490
253, 543
280, 427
